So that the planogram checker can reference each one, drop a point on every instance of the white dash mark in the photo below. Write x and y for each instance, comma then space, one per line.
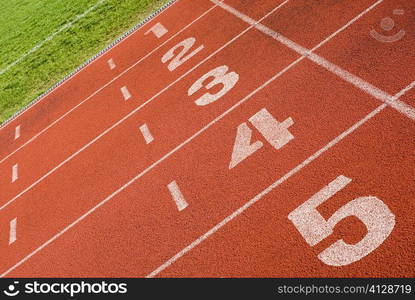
146, 133
159, 30
15, 174
111, 64
17, 132
126, 93
398, 11
12, 235
177, 195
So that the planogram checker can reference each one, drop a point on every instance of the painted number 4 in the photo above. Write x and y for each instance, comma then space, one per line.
376, 216
274, 132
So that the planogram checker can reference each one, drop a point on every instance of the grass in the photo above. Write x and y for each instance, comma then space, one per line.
26, 23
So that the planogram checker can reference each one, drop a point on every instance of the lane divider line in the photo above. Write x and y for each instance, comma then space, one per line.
177, 195
17, 132
129, 114
105, 85
158, 30
15, 174
340, 72
111, 64
145, 131
13, 231
125, 93
118, 41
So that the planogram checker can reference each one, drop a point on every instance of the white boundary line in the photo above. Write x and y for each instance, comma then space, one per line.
51, 36
271, 187
104, 86
114, 44
131, 113
86, 214
343, 74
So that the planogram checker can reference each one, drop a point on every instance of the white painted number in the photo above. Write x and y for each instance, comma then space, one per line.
180, 58
221, 76
376, 216
158, 30
274, 132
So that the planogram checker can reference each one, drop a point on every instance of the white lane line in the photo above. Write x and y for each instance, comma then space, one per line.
15, 172
123, 39
128, 115
177, 195
17, 132
125, 93
105, 85
340, 72
12, 233
158, 30
111, 64
146, 133
50, 37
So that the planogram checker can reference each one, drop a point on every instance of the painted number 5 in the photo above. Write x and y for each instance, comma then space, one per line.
376, 216
221, 76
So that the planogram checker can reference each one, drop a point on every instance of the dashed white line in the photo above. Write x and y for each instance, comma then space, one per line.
177, 195
13, 231
125, 93
15, 172
111, 64
158, 30
145, 131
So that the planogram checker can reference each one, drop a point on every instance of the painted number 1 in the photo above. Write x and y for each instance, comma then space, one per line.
376, 216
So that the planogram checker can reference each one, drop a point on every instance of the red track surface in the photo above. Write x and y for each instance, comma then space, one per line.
91, 195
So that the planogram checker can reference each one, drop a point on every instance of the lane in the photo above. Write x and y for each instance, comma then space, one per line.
106, 109
73, 189
201, 171
96, 74
379, 163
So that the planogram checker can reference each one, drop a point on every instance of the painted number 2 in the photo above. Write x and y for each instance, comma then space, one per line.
376, 216
177, 60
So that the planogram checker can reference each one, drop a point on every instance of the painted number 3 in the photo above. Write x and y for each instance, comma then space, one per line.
376, 216
219, 75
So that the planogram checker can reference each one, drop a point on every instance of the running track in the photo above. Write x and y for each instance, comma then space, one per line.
237, 138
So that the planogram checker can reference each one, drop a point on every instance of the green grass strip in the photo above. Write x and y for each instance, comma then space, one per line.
26, 73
